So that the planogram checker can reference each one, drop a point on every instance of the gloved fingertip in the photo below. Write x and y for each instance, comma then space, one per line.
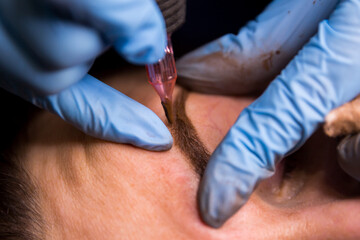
102, 112
218, 199
214, 221
211, 221
147, 45
349, 157
158, 139
216, 206
140, 52
160, 147
140, 127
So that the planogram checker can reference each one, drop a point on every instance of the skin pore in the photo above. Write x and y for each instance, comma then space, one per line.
92, 189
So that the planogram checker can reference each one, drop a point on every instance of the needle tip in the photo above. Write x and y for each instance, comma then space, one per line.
167, 105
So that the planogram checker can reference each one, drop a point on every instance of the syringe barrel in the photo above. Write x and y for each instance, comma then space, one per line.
162, 75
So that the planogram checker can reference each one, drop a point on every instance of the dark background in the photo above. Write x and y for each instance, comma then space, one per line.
206, 20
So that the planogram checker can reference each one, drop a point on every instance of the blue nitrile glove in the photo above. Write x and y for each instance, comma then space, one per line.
323, 75
48, 46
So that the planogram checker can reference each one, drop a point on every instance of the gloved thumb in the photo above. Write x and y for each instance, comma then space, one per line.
349, 155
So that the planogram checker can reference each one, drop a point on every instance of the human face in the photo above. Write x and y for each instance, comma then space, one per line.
92, 189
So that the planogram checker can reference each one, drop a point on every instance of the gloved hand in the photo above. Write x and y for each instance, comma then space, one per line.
322, 76
47, 48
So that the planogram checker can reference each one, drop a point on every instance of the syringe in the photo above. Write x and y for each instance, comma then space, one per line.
162, 76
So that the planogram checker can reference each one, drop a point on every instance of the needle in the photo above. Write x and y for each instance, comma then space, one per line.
167, 105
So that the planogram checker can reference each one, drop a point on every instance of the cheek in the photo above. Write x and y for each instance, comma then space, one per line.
142, 188
213, 115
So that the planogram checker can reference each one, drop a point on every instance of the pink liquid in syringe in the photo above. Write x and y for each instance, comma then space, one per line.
162, 77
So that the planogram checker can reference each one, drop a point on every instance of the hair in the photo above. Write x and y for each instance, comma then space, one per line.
20, 216
186, 137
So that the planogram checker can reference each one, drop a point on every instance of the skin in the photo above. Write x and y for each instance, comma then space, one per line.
92, 189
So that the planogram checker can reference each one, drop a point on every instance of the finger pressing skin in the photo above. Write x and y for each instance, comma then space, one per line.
102, 112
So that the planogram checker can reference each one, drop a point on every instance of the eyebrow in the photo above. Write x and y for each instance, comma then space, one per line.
186, 137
